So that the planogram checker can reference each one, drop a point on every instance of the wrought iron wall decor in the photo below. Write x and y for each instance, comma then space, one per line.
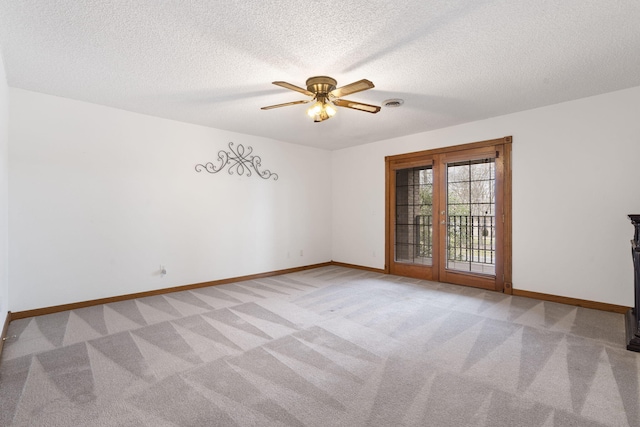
239, 161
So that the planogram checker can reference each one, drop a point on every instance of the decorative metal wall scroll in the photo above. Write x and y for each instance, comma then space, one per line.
239, 161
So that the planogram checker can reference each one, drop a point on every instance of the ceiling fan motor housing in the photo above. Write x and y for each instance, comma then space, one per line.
321, 85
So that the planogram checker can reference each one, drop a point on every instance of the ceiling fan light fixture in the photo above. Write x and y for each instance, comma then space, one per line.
315, 109
322, 109
330, 109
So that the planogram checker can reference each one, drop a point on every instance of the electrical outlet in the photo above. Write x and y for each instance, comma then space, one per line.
301, 252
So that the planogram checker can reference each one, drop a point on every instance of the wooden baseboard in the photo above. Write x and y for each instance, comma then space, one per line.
573, 301
5, 329
82, 304
358, 267
76, 305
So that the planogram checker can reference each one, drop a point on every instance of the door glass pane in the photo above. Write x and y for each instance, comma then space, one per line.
414, 213
471, 219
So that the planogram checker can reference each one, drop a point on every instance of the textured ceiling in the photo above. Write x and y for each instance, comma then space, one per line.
212, 62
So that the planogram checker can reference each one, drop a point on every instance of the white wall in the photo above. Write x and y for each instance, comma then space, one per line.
575, 179
100, 198
4, 141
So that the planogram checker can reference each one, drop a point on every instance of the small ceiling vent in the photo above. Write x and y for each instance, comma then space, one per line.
393, 103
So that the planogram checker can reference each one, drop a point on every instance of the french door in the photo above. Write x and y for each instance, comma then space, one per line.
449, 214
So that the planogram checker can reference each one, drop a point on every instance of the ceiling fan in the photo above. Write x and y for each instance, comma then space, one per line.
323, 91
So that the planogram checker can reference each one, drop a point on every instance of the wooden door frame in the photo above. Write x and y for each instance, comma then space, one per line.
407, 160
409, 270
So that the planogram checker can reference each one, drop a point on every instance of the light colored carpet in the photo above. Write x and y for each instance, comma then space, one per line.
324, 347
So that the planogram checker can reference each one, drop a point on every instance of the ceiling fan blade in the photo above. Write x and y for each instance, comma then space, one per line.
294, 87
357, 105
286, 104
354, 87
